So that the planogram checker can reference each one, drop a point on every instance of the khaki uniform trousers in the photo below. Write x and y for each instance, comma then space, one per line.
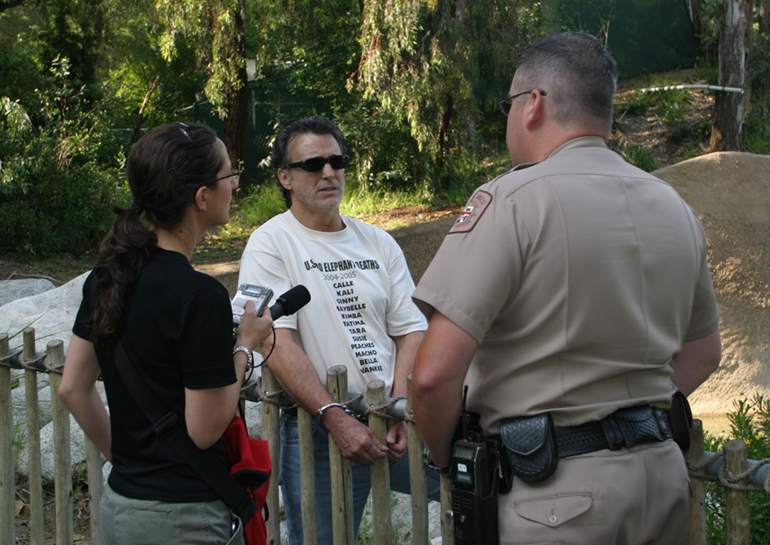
637, 496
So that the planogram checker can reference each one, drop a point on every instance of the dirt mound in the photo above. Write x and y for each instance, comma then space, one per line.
731, 193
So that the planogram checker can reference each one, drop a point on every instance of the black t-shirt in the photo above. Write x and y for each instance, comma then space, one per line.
177, 334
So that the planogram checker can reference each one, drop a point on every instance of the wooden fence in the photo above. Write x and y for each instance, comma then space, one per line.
730, 467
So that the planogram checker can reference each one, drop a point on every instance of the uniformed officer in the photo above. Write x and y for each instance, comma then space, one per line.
574, 286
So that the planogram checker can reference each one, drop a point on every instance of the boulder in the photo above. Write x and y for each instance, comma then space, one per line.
51, 313
10, 290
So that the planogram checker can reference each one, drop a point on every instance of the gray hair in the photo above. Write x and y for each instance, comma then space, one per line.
577, 72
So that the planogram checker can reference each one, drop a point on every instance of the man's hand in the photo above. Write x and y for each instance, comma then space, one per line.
397, 440
356, 441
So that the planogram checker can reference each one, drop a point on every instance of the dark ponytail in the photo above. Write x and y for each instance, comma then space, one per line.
165, 169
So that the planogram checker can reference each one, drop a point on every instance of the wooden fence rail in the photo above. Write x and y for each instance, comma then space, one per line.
730, 466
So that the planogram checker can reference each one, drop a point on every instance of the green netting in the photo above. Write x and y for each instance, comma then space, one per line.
643, 35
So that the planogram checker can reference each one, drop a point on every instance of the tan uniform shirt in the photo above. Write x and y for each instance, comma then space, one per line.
580, 278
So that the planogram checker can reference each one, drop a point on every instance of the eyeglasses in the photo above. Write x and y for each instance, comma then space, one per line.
316, 164
505, 105
234, 172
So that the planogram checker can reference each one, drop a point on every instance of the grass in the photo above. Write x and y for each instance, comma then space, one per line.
750, 422
641, 157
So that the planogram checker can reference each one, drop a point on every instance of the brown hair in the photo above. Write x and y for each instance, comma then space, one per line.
165, 169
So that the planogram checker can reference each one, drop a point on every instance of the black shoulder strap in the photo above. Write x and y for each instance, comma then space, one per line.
170, 427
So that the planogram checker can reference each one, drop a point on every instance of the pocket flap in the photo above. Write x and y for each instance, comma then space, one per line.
525, 435
555, 510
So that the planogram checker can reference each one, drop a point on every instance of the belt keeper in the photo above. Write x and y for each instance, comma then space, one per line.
663, 421
612, 433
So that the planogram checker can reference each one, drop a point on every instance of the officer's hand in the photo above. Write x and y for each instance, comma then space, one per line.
397, 440
356, 441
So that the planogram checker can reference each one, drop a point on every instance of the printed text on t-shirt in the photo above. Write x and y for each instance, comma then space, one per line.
350, 306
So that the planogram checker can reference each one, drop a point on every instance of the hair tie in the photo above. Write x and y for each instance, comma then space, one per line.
136, 207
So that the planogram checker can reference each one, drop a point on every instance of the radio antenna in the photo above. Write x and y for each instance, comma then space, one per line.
464, 416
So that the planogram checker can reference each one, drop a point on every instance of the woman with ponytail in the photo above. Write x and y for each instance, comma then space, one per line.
175, 325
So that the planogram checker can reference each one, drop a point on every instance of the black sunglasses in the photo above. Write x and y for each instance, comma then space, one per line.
505, 105
316, 164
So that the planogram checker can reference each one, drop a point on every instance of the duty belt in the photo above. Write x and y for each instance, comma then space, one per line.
623, 428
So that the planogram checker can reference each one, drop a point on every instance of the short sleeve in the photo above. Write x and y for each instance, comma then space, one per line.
206, 338
403, 316
477, 270
81, 328
704, 319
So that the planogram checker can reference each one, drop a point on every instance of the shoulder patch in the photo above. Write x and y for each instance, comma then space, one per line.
472, 213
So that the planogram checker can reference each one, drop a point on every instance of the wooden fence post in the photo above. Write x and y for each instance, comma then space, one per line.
95, 489
447, 526
7, 450
381, 522
34, 477
697, 524
272, 432
307, 477
737, 501
341, 473
62, 454
417, 479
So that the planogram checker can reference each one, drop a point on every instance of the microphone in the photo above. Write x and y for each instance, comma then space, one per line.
290, 302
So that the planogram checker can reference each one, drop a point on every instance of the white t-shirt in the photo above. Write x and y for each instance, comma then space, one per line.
360, 290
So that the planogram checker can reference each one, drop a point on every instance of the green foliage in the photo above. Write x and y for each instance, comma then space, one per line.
636, 105
641, 157
254, 209
54, 196
143, 88
385, 155
438, 68
210, 28
750, 422
757, 130
757, 120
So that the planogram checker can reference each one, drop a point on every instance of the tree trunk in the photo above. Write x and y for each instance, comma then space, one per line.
238, 102
443, 133
727, 121
697, 20
764, 9
749, 52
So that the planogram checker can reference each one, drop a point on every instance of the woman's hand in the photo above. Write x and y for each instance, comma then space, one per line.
253, 329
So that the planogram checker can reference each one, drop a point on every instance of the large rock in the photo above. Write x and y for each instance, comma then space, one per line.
10, 290
51, 313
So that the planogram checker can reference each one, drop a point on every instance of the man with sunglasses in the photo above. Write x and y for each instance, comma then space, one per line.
361, 315
573, 297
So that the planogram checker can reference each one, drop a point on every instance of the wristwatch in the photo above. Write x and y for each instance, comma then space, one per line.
249, 355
